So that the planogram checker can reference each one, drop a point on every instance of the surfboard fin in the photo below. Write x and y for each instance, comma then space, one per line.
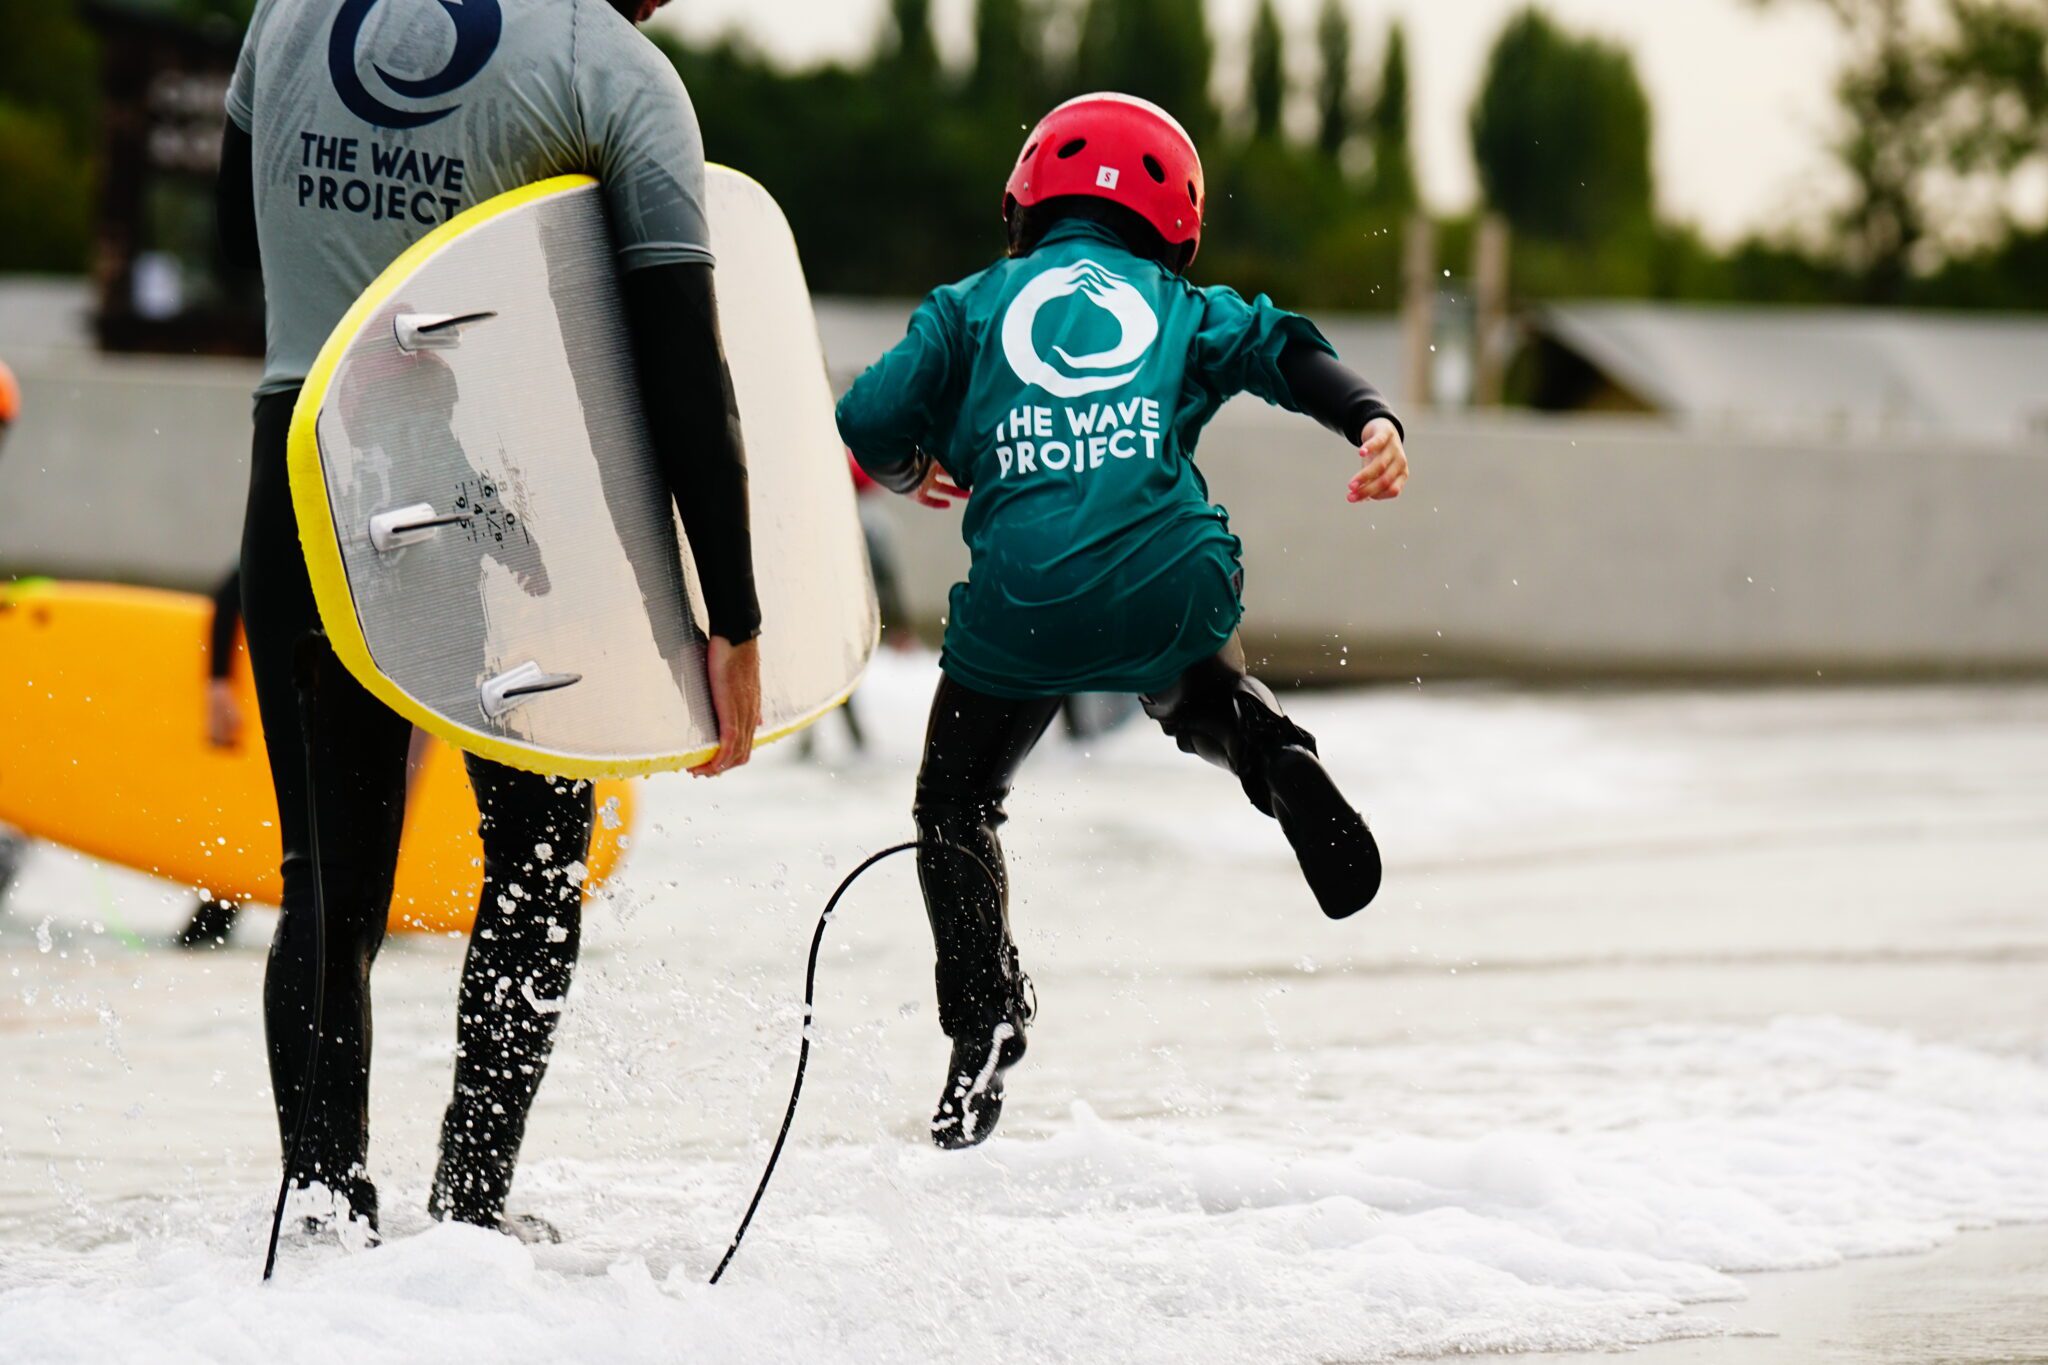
410, 524
433, 331
516, 686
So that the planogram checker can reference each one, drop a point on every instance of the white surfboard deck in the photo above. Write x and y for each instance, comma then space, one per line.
491, 543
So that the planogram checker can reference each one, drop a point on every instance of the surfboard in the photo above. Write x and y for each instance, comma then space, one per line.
103, 749
493, 548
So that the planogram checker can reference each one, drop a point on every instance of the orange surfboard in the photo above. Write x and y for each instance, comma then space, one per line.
103, 749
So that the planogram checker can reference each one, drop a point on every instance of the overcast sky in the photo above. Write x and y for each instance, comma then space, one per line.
1741, 95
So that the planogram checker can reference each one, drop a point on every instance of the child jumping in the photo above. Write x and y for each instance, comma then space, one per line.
1064, 388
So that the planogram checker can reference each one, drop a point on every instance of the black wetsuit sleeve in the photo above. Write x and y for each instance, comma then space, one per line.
220, 637
693, 417
234, 198
1332, 392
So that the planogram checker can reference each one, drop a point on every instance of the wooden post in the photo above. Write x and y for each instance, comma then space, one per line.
1489, 310
1418, 310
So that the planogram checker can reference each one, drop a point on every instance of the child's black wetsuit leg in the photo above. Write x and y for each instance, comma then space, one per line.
1222, 714
972, 750
973, 747
359, 749
522, 953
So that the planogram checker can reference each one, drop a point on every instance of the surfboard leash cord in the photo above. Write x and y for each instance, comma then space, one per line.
305, 661
803, 1051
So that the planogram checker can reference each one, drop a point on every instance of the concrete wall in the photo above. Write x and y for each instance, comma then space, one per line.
1525, 545
1533, 546
130, 470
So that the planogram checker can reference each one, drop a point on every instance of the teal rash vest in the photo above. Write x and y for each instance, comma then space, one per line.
1067, 389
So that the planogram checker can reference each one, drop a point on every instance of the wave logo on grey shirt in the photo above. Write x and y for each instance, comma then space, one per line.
478, 24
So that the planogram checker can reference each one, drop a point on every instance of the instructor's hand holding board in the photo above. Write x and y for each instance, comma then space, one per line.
736, 696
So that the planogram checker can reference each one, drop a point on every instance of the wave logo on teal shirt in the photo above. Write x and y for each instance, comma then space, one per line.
1076, 376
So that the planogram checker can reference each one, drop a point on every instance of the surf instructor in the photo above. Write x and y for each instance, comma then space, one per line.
353, 129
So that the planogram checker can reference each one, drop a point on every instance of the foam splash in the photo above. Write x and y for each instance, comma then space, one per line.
1150, 1240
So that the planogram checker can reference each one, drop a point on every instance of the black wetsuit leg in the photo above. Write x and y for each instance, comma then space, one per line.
211, 921
13, 848
1222, 714
515, 980
358, 755
973, 747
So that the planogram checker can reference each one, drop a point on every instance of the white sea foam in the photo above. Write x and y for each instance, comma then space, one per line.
1664, 994
1782, 1147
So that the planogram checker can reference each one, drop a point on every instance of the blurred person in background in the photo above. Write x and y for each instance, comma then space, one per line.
12, 846
10, 402
213, 918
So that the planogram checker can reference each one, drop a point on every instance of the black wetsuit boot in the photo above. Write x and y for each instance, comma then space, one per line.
1219, 713
971, 1103
974, 745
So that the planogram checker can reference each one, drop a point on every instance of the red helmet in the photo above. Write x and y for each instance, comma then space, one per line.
1120, 148
10, 396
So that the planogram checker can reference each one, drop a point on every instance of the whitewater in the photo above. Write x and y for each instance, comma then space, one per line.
1666, 987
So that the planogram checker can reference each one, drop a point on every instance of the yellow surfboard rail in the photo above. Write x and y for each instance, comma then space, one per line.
321, 544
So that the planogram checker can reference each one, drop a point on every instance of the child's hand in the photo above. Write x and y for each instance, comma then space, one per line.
1386, 464
938, 488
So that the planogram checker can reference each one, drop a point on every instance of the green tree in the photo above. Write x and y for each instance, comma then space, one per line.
1561, 135
1333, 78
1159, 50
1888, 91
48, 63
911, 50
49, 107
1997, 64
46, 202
1268, 75
1927, 95
1393, 163
1009, 71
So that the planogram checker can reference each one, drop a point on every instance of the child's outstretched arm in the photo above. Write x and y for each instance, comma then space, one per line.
1328, 390
1255, 347
886, 417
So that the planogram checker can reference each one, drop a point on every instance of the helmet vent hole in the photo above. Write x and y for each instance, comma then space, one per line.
1071, 148
1192, 199
1028, 151
1154, 169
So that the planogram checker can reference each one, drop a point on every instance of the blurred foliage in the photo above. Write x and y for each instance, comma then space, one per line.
1561, 136
1940, 103
49, 128
891, 168
1268, 75
892, 171
1335, 117
1393, 165
45, 194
